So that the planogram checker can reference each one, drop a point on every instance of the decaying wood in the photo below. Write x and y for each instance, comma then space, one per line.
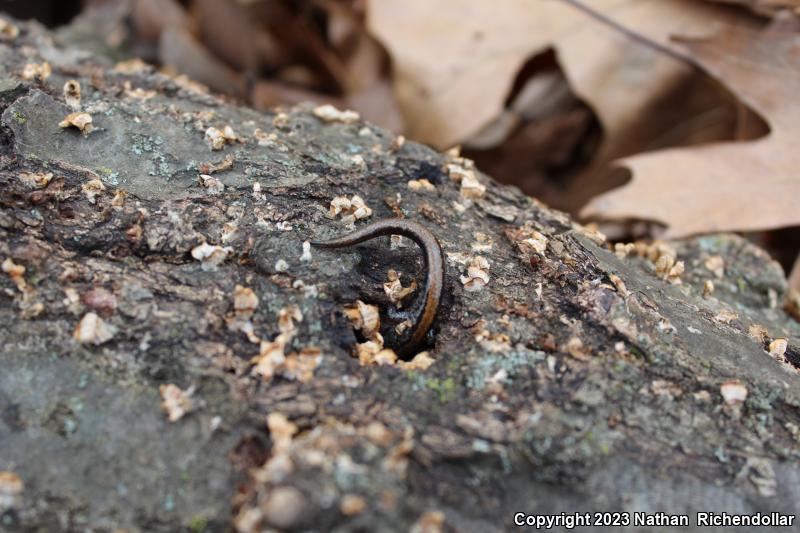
172, 359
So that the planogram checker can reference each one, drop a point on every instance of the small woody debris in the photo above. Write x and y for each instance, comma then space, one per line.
189, 85
280, 120
36, 71
622, 250
100, 300
280, 430
395, 290
36, 180
8, 31
119, 198
217, 138
92, 189
350, 208
131, 66
397, 458
716, 264
272, 359
429, 522
794, 430
777, 348
666, 389
300, 366
463, 173
758, 333
245, 326
592, 231
245, 301
338, 205
71, 300
287, 317
212, 184
477, 274
72, 94
281, 265
352, 505
210, 255
421, 361
258, 196
372, 352
365, 317
397, 143
702, 396
472, 188
458, 171
386, 356
306, 255
11, 487
93, 330
210, 168
378, 434
663, 256
667, 268
733, 392
175, 401
726, 317
138, 93
576, 349
328, 113
265, 139
357, 160
708, 289
528, 240
81, 121
403, 326
421, 185
483, 243
454, 152
15, 272
619, 284
493, 342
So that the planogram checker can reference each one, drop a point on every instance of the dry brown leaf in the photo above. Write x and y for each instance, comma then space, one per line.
233, 32
361, 55
178, 48
268, 93
794, 275
765, 7
377, 104
449, 95
743, 186
151, 17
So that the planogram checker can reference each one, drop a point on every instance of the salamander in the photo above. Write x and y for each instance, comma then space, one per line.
434, 264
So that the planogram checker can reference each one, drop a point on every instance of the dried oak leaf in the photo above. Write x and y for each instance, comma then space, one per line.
176, 402
741, 186
768, 8
448, 96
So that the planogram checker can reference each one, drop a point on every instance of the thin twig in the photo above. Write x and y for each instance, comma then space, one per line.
631, 34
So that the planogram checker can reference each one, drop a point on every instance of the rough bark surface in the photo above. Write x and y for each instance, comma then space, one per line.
514, 415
